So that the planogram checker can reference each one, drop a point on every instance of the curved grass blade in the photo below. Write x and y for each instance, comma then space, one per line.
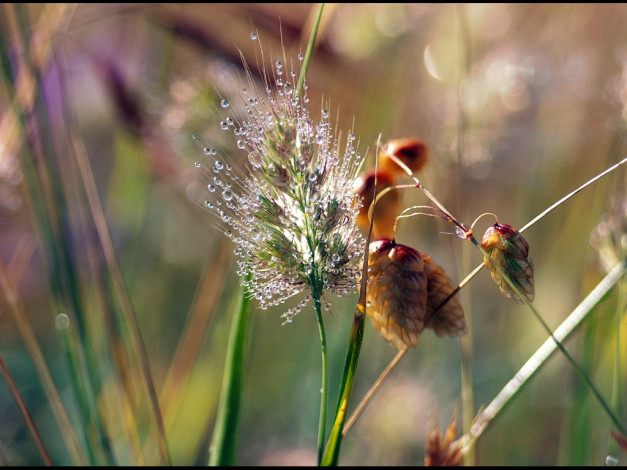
223, 441
544, 352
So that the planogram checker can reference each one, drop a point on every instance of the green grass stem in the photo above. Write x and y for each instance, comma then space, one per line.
223, 441
534, 363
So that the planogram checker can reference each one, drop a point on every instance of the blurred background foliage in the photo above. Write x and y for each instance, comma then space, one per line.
518, 103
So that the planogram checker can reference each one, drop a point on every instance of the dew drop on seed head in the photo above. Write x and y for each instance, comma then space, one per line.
225, 103
460, 233
325, 114
300, 57
253, 36
197, 164
227, 195
211, 188
207, 151
218, 165
224, 126
208, 205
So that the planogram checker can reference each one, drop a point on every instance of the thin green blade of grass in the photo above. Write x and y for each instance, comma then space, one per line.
581, 372
119, 288
47, 195
534, 363
223, 440
36, 192
332, 450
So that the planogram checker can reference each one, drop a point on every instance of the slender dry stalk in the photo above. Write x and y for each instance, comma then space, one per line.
23, 324
30, 424
194, 332
137, 342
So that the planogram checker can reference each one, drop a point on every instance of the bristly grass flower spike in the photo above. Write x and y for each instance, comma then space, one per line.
292, 217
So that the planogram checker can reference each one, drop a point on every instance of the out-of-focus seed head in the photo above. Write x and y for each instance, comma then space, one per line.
411, 151
397, 292
508, 249
449, 318
443, 451
292, 213
387, 208
609, 237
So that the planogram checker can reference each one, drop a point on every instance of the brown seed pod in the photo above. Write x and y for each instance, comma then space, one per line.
507, 248
387, 208
449, 319
411, 151
397, 292
442, 450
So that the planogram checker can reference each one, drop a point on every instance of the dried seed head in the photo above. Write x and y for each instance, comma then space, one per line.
387, 208
449, 318
411, 151
397, 292
442, 450
507, 248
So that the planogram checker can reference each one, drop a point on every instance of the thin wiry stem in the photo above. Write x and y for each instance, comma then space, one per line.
324, 391
582, 373
544, 352
119, 287
309, 52
394, 361
366, 399
22, 322
6, 373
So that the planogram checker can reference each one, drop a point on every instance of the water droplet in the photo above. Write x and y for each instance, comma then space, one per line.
218, 165
207, 151
460, 233
325, 114
335, 257
611, 461
197, 164
229, 121
253, 36
208, 205
224, 126
227, 195
217, 181
278, 65
62, 321
300, 57
211, 188
225, 103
